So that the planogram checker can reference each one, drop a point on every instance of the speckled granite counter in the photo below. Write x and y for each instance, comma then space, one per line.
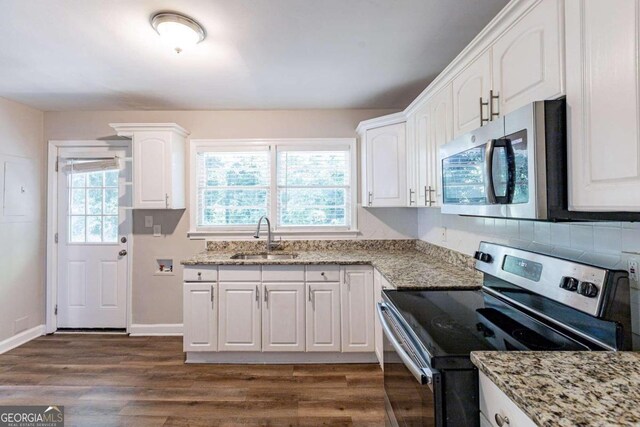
568, 388
403, 263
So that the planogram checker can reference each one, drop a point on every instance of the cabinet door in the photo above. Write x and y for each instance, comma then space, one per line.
239, 320
473, 83
200, 317
323, 316
441, 113
378, 333
283, 317
527, 59
421, 135
386, 166
602, 97
151, 153
356, 305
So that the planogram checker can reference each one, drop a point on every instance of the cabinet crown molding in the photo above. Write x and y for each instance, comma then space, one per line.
127, 129
389, 119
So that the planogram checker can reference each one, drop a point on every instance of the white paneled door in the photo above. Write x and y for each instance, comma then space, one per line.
92, 233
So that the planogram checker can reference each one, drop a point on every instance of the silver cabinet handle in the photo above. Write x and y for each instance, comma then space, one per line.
411, 193
211, 297
430, 199
501, 421
370, 198
482, 105
166, 200
257, 294
426, 196
266, 297
493, 97
309, 288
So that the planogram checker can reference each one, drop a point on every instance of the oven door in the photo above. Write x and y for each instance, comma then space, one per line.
412, 389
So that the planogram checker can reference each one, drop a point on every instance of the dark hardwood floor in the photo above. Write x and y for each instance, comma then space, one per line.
116, 380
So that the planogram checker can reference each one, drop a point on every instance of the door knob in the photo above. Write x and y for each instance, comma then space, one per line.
122, 252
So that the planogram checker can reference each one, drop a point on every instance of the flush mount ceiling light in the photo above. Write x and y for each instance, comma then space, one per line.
180, 31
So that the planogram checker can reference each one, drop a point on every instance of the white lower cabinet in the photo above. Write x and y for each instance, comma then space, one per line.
283, 319
239, 317
323, 316
356, 304
497, 409
200, 317
377, 298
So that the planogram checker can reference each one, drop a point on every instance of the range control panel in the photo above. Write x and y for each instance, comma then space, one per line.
579, 286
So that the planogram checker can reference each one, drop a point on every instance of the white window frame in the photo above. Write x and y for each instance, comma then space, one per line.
246, 232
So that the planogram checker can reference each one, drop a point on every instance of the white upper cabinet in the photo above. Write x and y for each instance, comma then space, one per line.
283, 319
357, 309
420, 124
158, 164
471, 88
323, 316
528, 59
602, 96
386, 166
441, 112
239, 318
200, 317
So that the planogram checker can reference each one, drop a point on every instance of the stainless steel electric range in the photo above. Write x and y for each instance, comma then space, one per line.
529, 301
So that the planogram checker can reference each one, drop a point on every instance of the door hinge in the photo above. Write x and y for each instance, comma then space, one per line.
55, 238
55, 310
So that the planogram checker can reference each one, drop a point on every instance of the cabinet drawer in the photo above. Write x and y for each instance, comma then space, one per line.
200, 273
323, 273
493, 401
240, 273
283, 273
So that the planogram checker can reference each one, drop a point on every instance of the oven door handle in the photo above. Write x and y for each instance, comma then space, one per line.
423, 375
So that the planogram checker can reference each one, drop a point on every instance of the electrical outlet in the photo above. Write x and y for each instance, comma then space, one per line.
443, 234
632, 267
148, 221
157, 230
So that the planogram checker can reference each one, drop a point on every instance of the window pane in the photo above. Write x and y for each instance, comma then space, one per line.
76, 228
234, 207
313, 168
77, 201
236, 169
94, 229
94, 201
110, 229
111, 178
110, 201
232, 216
322, 207
78, 180
95, 179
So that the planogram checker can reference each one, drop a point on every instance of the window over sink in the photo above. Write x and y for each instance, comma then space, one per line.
303, 186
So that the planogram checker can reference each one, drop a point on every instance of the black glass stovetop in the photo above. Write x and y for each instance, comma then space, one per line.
452, 324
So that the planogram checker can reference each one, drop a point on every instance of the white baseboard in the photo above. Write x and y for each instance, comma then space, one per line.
156, 329
21, 338
257, 357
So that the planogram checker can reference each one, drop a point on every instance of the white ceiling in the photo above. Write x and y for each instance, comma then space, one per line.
258, 54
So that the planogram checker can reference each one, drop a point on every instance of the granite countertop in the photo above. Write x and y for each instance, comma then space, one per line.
568, 388
404, 267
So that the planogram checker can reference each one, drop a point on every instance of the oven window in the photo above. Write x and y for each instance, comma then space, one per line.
519, 144
463, 178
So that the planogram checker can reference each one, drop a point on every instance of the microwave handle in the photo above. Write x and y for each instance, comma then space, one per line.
489, 188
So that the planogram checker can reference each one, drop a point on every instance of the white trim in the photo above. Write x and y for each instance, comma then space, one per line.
126, 130
158, 329
51, 324
202, 145
389, 119
21, 338
275, 358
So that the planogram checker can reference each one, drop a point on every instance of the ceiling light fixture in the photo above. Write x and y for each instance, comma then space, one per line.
179, 31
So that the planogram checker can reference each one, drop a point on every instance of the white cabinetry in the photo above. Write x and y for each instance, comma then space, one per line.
528, 58
386, 166
356, 304
239, 319
470, 88
158, 164
200, 317
602, 96
441, 132
495, 405
323, 316
283, 319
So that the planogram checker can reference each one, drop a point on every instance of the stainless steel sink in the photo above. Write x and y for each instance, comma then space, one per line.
264, 256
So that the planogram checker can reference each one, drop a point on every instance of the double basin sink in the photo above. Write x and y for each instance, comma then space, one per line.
264, 255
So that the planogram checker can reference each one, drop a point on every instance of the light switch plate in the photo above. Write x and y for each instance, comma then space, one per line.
157, 230
148, 221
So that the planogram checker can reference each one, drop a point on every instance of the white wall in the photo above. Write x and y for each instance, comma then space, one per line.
159, 299
22, 247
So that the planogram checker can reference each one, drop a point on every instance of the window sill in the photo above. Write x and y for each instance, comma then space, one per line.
285, 234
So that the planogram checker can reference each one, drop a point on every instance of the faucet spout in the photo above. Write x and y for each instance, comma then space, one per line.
270, 242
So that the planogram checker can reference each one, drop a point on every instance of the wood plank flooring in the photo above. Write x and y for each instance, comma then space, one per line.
116, 380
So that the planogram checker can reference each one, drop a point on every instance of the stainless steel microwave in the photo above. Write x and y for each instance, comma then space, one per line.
514, 167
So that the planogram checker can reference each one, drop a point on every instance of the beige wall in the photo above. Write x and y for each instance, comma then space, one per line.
22, 260
158, 300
